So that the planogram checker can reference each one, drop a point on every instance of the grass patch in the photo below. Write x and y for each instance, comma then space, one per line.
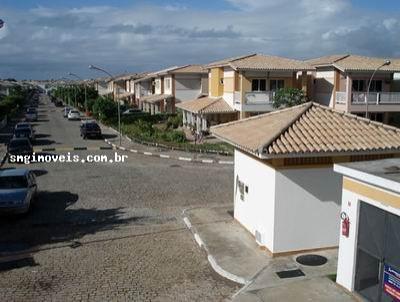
332, 277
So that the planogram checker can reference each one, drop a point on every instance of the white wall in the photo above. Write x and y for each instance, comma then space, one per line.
256, 212
187, 87
323, 88
348, 246
307, 209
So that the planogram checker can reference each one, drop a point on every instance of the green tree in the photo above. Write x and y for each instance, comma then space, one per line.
289, 97
105, 109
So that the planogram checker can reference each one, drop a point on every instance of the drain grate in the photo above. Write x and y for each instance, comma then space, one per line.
290, 274
311, 260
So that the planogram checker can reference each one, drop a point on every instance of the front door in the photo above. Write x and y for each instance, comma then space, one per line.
378, 257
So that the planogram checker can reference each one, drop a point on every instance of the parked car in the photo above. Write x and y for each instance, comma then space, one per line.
24, 132
19, 146
74, 115
22, 125
131, 111
18, 190
90, 129
31, 114
66, 110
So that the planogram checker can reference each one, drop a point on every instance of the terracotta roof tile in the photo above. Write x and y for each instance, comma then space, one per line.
308, 130
262, 62
154, 98
206, 105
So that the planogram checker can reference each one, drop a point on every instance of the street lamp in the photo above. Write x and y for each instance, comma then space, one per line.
386, 63
119, 109
78, 77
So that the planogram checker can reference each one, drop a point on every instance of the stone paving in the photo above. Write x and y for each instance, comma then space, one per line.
111, 232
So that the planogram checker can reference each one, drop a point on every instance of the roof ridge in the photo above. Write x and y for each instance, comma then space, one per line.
257, 116
289, 123
356, 117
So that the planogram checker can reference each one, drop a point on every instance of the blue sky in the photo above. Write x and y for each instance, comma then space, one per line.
48, 39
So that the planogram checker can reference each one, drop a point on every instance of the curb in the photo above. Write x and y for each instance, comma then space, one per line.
165, 156
211, 259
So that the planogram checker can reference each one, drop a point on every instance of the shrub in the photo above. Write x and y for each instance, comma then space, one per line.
175, 121
288, 97
105, 109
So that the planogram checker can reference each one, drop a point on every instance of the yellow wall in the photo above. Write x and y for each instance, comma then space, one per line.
229, 84
216, 88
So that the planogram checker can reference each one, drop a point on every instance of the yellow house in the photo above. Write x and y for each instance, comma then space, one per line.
247, 85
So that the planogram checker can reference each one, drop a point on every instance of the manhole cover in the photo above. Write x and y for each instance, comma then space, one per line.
290, 274
311, 260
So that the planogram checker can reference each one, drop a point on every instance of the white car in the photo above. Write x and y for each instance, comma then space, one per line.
74, 115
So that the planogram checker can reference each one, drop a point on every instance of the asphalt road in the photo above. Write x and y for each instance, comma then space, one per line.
110, 231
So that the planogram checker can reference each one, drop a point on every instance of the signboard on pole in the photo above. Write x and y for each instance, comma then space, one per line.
391, 282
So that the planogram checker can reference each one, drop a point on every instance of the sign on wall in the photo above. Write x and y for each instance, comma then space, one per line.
391, 282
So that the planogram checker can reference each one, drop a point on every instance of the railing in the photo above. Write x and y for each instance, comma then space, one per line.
259, 97
376, 98
341, 97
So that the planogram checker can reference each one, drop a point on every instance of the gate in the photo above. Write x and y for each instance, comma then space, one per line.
378, 255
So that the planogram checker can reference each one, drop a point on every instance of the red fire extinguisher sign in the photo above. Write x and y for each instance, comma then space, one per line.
345, 224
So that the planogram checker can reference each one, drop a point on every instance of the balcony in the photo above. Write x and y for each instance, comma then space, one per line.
377, 98
255, 101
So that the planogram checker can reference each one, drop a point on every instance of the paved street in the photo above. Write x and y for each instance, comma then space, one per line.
110, 231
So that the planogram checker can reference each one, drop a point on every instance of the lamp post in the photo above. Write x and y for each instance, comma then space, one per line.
386, 63
78, 77
118, 104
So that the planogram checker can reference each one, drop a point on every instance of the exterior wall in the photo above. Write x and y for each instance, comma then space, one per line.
204, 84
348, 246
307, 209
187, 87
216, 87
324, 86
256, 212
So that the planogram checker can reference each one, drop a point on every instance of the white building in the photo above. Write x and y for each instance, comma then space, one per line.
369, 250
286, 193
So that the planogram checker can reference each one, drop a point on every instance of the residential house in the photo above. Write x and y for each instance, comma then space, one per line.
369, 258
341, 82
286, 193
102, 86
243, 86
160, 91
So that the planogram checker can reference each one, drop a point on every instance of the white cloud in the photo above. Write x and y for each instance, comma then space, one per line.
150, 37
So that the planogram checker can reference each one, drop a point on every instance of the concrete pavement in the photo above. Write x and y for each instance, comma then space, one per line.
234, 254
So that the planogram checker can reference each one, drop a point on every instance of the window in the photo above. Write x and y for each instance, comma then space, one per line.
258, 85
167, 83
358, 85
276, 84
376, 86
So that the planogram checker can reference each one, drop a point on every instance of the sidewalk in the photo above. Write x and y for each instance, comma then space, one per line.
234, 254
111, 137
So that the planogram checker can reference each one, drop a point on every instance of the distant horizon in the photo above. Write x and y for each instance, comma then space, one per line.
42, 39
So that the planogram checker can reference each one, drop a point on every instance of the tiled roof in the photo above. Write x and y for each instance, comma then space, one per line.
325, 60
227, 61
356, 63
309, 130
154, 98
262, 62
206, 105
189, 69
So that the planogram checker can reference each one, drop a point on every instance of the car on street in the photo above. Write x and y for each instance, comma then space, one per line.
131, 111
24, 132
18, 190
19, 146
74, 115
90, 129
66, 110
31, 114
22, 125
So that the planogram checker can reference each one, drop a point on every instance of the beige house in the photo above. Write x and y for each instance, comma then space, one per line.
286, 193
159, 91
247, 85
341, 82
